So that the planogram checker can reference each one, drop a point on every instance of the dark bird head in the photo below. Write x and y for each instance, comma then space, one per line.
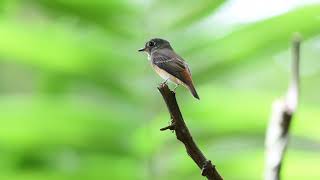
154, 45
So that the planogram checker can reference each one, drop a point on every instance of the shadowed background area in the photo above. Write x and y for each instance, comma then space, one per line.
77, 101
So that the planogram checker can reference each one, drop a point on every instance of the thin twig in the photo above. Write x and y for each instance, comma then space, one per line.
283, 109
183, 134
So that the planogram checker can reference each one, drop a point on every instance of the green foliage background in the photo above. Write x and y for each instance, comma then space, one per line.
77, 101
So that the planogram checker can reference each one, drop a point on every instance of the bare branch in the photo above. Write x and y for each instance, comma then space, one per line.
183, 135
283, 109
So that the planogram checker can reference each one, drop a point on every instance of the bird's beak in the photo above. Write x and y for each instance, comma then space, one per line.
142, 49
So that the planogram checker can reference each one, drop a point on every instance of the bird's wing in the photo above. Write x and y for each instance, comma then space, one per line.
174, 66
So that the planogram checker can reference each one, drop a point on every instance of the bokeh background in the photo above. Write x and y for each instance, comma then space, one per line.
77, 101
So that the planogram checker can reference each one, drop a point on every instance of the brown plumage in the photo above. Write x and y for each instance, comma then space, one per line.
168, 64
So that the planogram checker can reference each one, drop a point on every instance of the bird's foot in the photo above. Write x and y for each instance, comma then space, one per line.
174, 89
164, 82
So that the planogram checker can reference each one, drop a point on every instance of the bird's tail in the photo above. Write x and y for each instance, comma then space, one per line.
193, 91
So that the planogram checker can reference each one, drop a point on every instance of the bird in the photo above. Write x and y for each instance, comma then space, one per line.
168, 64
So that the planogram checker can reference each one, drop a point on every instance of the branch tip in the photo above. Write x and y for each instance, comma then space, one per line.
277, 135
297, 38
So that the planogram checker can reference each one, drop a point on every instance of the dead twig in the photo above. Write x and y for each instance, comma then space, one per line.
277, 135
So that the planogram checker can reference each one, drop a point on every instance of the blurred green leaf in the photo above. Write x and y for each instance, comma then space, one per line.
197, 14
107, 14
256, 40
44, 121
54, 48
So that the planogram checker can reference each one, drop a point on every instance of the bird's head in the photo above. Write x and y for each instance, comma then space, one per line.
154, 45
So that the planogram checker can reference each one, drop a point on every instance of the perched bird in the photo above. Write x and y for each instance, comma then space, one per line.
169, 65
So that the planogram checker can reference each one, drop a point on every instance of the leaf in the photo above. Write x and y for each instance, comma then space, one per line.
110, 15
57, 49
46, 121
196, 14
257, 39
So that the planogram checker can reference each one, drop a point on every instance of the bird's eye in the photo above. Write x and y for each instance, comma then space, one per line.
151, 44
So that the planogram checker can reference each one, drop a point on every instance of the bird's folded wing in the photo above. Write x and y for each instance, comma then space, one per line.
174, 66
